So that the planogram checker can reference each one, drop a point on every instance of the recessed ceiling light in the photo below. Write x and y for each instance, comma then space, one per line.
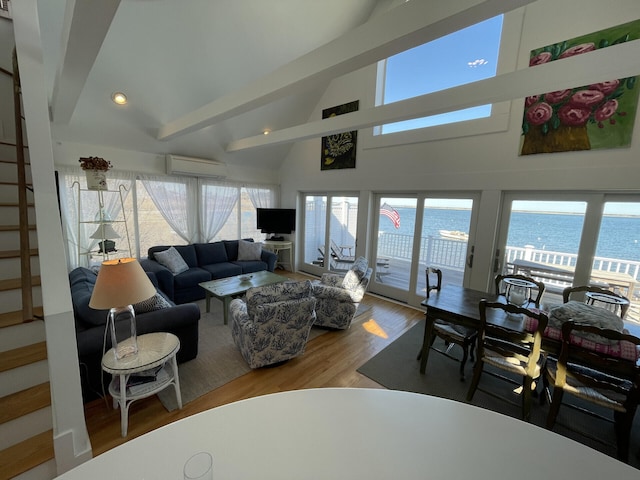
266, 132
119, 98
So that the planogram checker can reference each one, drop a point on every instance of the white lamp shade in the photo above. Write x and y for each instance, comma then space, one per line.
104, 232
120, 283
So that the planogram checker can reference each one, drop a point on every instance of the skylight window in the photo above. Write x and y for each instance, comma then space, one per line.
462, 57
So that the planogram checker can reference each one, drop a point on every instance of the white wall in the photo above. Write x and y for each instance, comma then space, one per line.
489, 163
68, 154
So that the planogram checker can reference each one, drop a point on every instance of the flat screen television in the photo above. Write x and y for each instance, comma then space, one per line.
276, 220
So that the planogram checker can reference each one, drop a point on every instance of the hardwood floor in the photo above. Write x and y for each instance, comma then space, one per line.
330, 360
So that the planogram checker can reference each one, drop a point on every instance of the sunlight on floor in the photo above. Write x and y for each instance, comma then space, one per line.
372, 327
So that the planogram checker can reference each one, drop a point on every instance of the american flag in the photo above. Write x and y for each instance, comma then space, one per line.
391, 213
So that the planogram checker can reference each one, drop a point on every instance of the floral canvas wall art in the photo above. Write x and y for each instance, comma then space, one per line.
588, 117
339, 150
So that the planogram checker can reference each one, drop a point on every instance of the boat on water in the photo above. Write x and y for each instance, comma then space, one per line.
454, 235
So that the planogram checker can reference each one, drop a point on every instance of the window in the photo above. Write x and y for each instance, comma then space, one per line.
462, 57
160, 210
153, 228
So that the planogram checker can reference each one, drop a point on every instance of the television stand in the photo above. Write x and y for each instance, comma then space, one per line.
277, 246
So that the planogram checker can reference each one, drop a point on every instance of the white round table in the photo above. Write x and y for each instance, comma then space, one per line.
354, 434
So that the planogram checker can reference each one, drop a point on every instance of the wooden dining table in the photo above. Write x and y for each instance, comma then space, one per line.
460, 306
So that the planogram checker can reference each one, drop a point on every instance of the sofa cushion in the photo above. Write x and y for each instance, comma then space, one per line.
252, 266
82, 275
157, 302
171, 259
232, 249
222, 270
191, 277
208, 253
82, 281
248, 251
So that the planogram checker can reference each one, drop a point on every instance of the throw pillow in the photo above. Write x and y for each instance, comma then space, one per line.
171, 259
157, 302
351, 281
249, 250
360, 267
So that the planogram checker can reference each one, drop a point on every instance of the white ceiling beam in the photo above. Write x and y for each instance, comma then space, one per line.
411, 24
618, 61
85, 26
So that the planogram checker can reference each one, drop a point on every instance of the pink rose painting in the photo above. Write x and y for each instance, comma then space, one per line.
600, 115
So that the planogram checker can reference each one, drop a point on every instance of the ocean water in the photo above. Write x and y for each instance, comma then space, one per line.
619, 236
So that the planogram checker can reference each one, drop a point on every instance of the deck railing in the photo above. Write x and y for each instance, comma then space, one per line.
452, 254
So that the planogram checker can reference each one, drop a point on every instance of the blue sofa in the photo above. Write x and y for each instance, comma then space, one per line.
181, 320
206, 261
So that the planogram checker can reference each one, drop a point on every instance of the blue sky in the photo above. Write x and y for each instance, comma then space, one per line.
462, 57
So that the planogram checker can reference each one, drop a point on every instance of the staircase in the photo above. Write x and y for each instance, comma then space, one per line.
26, 429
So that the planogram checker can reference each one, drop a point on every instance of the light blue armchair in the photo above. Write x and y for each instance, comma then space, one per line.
272, 324
338, 296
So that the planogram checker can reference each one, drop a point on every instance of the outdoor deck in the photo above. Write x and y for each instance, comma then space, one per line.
553, 268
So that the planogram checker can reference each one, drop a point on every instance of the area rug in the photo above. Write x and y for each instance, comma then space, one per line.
219, 361
397, 368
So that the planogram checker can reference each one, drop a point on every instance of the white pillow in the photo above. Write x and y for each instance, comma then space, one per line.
249, 250
171, 259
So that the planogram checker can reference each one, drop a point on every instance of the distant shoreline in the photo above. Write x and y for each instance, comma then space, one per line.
616, 215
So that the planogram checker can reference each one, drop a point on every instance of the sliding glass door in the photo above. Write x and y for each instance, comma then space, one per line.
330, 227
420, 231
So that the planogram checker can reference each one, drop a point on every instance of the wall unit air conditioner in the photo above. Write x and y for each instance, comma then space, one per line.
198, 167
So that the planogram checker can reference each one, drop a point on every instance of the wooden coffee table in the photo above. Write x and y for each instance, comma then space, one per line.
225, 289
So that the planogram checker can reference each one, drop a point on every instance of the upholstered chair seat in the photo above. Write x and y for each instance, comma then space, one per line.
338, 296
272, 324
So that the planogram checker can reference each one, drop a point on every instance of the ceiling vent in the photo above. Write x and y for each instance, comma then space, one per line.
197, 167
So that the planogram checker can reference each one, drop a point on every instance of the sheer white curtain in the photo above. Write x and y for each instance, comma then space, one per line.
80, 208
261, 196
176, 198
217, 202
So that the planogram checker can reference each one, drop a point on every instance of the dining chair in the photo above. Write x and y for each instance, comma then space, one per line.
510, 350
451, 334
603, 297
597, 378
501, 287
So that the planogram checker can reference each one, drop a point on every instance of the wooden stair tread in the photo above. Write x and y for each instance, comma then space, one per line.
16, 283
24, 402
12, 162
21, 356
9, 319
16, 253
26, 455
29, 184
14, 204
14, 228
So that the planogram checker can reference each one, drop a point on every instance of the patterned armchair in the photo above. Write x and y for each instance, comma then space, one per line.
272, 324
338, 296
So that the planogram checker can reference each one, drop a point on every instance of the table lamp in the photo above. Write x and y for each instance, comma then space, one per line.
121, 283
104, 231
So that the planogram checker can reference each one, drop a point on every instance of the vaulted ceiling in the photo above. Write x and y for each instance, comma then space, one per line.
173, 57
205, 78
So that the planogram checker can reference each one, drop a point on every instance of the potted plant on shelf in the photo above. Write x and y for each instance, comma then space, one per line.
95, 169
